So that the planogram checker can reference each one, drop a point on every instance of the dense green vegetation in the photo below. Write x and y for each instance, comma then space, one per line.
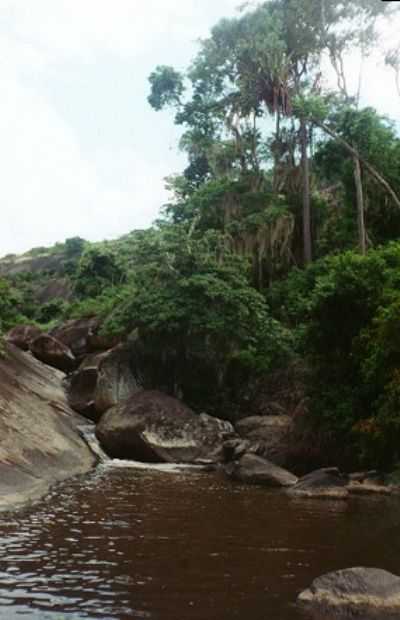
280, 243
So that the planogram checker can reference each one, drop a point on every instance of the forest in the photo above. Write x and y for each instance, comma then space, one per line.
277, 257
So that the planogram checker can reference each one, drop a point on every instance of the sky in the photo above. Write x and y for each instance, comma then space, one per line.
81, 151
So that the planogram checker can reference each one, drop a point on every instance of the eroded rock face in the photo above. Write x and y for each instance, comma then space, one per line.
51, 351
115, 380
273, 435
328, 482
367, 593
153, 427
253, 469
21, 336
40, 442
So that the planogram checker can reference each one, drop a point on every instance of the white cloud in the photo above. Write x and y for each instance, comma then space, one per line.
48, 189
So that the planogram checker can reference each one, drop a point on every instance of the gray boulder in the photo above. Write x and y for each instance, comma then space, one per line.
153, 427
328, 483
51, 351
367, 593
253, 469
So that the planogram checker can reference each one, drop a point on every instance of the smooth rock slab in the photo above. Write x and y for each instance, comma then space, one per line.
364, 593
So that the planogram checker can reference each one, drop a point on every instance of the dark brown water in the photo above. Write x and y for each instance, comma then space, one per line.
127, 543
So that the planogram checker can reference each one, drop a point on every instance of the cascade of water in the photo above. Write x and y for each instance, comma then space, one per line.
88, 435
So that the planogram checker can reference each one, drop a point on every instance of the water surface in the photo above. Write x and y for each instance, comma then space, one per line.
127, 543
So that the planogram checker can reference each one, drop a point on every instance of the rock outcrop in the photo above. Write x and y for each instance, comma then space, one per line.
51, 351
367, 593
40, 442
153, 427
253, 469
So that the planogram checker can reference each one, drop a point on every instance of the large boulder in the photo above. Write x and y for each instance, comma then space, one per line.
40, 441
21, 336
153, 427
81, 387
53, 352
116, 379
253, 469
81, 336
273, 434
328, 482
367, 593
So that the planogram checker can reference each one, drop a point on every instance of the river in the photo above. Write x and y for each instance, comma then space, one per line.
127, 543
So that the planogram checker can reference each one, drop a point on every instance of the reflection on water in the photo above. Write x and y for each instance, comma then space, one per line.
136, 543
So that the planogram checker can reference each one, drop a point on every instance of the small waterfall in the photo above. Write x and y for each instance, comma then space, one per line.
88, 435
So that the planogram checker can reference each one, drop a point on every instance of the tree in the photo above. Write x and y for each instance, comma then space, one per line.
253, 66
98, 269
199, 326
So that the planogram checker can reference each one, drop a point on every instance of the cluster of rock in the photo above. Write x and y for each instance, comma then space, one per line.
146, 425
101, 383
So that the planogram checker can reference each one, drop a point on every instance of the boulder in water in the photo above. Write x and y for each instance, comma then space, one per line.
367, 593
328, 482
253, 469
153, 427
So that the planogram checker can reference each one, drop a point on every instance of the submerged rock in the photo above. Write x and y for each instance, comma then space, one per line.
253, 469
153, 427
21, 336
327, 482
367, 593
53, 352
40, 442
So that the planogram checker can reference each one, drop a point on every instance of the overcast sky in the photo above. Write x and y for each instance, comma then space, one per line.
81, 151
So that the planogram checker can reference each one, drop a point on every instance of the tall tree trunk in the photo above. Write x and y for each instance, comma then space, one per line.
362, 237
354, 153
276, 153
307, 243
